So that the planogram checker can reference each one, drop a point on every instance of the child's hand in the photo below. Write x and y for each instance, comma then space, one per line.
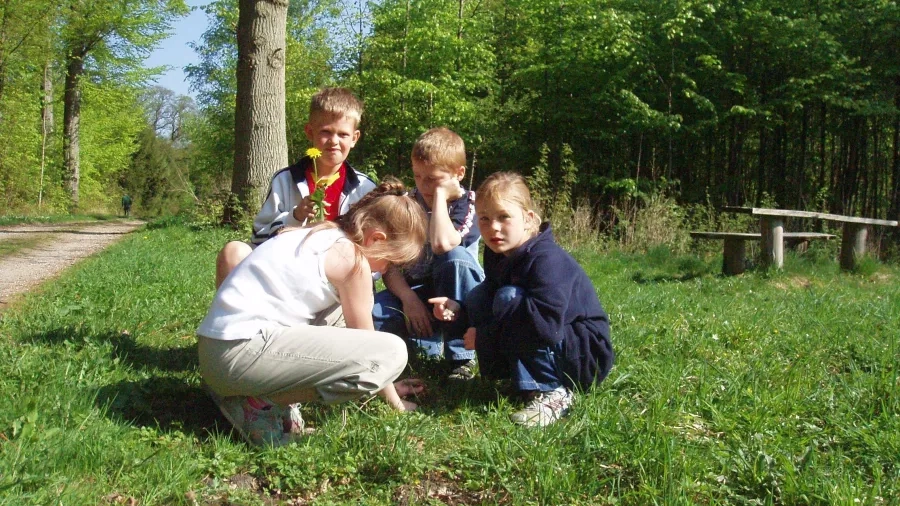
469, 339
409, 386
305, 210
445, 309
449, 190
419, 320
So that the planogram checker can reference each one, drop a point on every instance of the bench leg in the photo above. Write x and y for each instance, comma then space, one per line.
772, 230
853, 245
733, 256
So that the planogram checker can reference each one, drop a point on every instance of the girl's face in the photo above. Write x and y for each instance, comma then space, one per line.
504, 225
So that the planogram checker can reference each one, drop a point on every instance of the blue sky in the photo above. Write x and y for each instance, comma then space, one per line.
175, 51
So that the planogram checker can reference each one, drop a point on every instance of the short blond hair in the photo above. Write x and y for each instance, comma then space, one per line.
339, 102
511, 187
440, 147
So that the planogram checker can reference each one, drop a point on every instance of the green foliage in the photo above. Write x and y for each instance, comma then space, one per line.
111, 121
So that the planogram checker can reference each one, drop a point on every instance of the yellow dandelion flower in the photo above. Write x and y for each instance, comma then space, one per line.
313, 153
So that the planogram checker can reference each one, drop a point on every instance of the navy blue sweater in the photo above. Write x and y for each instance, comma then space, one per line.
559, 304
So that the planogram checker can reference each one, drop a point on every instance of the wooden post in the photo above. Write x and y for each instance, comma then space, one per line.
772, 230
733, 256
853, 244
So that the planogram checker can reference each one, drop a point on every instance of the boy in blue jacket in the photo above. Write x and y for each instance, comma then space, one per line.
536, 319
449, 263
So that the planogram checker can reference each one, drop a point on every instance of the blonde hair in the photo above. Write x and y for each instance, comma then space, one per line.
339, 102
389, 209
440, 147
511, 187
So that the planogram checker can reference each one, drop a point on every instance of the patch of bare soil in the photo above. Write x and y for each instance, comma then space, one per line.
61, 246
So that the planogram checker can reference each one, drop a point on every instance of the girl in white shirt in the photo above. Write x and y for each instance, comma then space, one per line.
272, 337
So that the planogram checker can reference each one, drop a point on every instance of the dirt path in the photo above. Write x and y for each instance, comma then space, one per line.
60, 246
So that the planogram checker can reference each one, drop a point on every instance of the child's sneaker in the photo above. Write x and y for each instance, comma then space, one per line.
463, 370
545, 408
259, 421
293, 421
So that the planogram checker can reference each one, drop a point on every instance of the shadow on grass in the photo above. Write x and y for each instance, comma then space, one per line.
444, 395
643, 278
166, 399
123, 347
166, 403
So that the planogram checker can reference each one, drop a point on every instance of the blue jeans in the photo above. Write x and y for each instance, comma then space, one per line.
537, 369
453, 275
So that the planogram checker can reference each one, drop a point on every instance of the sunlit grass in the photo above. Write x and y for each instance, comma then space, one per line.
765, 388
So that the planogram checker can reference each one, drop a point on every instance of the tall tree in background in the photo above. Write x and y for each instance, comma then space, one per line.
114, 35
259, 127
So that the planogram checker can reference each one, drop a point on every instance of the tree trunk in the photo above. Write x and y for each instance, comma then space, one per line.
260, 146
46, 124
895, 161
71, 126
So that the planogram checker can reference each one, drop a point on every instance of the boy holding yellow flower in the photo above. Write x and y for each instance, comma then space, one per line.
321, 186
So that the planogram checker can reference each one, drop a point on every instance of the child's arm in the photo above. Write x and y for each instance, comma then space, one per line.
539, 312
442, 233
418, 321
276, 212
353, 281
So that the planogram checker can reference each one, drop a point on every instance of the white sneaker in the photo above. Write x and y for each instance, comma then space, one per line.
545, 408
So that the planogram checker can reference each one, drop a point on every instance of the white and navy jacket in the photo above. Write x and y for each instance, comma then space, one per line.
462, 215
289, 186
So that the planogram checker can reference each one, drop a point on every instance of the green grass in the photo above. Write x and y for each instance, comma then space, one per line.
767, 388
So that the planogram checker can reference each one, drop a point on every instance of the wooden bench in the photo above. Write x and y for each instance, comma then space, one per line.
771, 225
734, 252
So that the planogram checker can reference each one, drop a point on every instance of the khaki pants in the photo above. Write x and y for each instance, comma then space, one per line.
340, 363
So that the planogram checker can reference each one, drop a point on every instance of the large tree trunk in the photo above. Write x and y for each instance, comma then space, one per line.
260, 145
71, 127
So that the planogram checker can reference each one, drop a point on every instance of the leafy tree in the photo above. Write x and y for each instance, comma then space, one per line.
105, 39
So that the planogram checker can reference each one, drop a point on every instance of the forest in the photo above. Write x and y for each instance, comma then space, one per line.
790, 103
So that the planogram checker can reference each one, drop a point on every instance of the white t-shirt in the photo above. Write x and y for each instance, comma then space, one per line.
281, 283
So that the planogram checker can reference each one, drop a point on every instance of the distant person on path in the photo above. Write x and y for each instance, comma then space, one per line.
126, 204
449, 263
273, 336
333, 129
536, 319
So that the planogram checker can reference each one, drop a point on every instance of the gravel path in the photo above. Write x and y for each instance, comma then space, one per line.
61, 246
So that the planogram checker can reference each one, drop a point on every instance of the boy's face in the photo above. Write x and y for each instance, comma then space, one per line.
428, 177
504, 225
334, 136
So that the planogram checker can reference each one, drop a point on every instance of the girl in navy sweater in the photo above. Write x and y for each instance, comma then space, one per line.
536, 319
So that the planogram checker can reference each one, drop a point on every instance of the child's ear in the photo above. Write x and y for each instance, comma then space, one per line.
461, 172
374, 236
308, 130
531, 220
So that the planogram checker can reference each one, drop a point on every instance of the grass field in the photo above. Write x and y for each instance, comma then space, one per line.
779, 388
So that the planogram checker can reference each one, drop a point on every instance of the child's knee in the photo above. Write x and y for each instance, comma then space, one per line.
233, 253
391, 358
504, 296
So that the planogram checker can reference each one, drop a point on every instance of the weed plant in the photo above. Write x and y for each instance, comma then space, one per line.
777, 387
